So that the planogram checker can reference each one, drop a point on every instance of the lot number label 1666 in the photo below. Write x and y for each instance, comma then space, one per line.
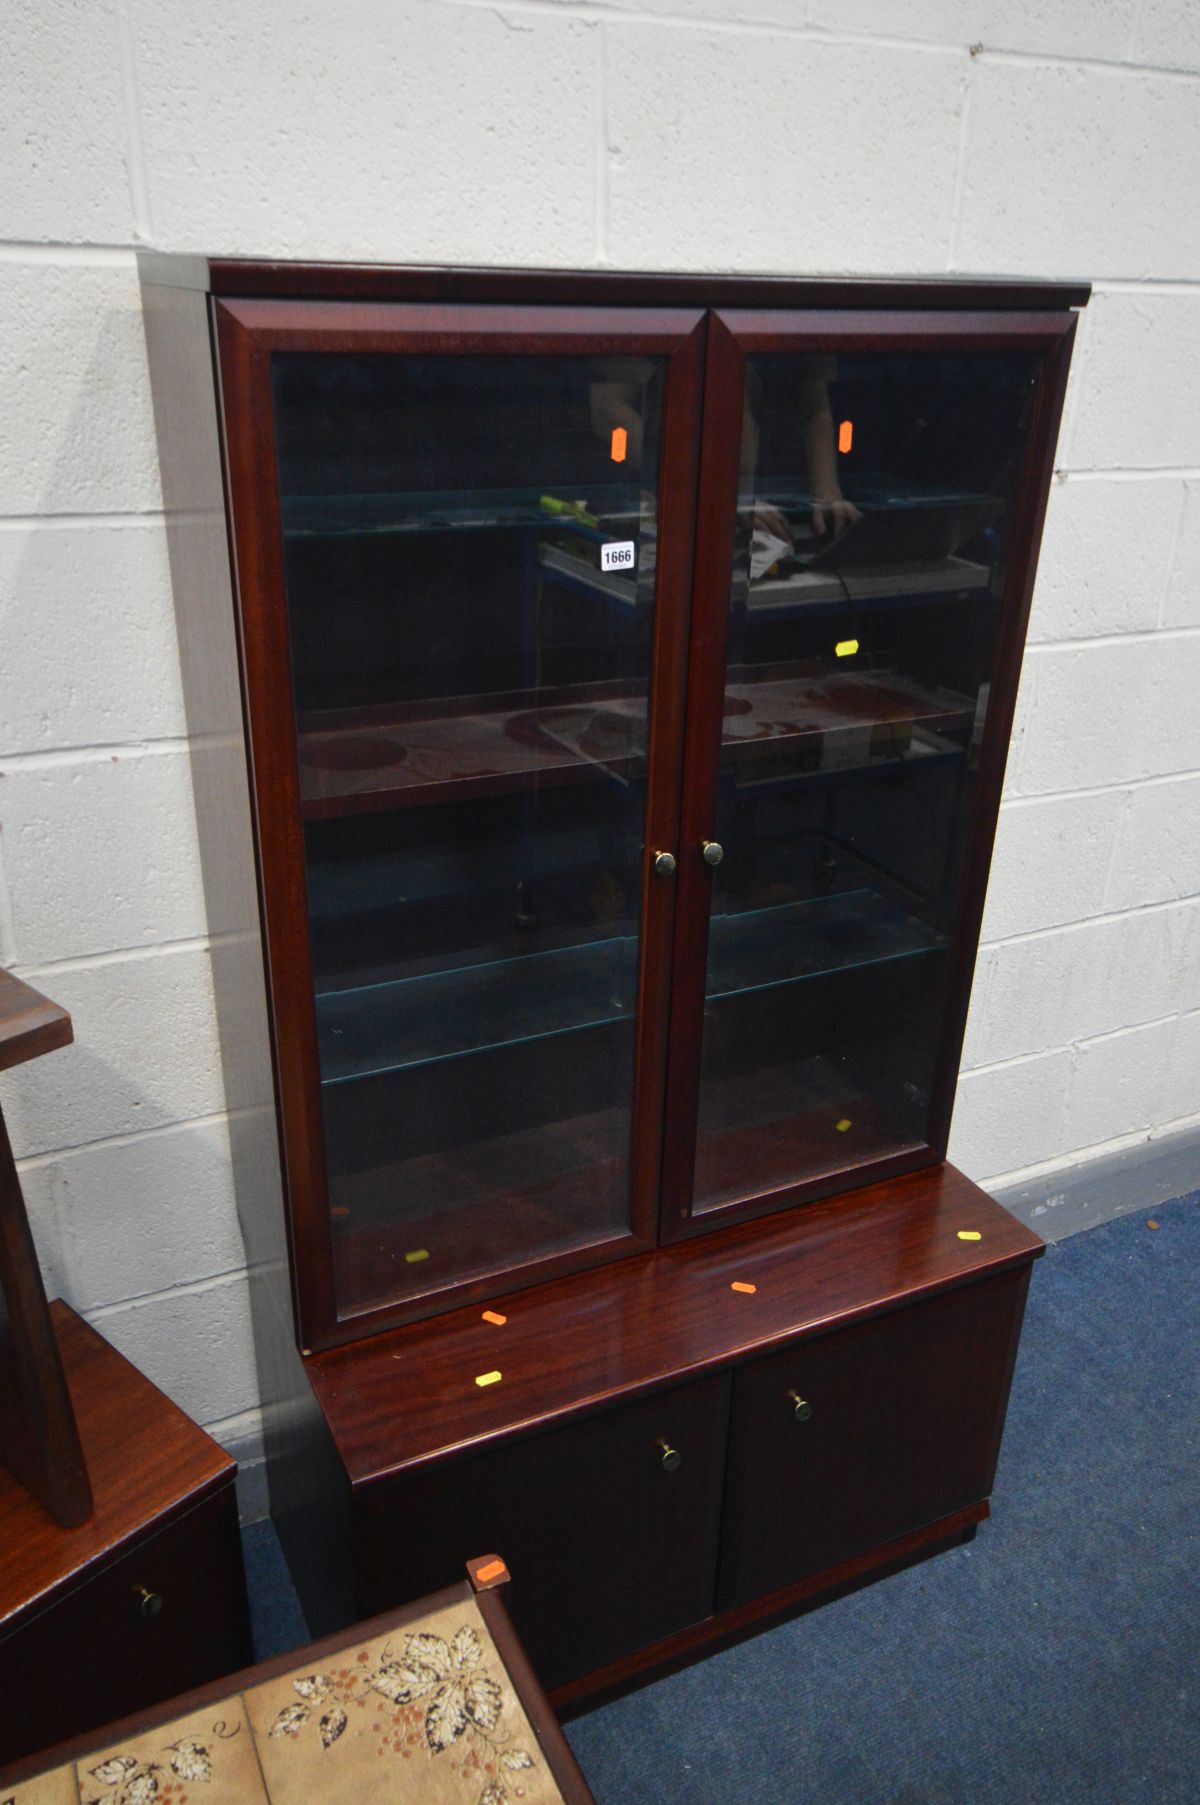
620, 555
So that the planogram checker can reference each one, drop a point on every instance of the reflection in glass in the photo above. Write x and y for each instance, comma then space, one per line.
471, 685
874, 519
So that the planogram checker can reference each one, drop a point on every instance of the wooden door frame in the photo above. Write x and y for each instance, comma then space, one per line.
246, 335
733, 335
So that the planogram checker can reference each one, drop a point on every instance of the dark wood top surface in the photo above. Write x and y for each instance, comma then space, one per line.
147, 1462
30, 1024
400, 282
398, 1400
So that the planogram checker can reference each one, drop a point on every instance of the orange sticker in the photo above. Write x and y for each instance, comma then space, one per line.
620, 441
739, 1285
845, 435
493, 1570
495, 1316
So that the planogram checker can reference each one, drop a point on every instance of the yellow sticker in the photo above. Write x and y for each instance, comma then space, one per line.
418, 1253
488, 1379
846, 648
843, 1124
969, 1234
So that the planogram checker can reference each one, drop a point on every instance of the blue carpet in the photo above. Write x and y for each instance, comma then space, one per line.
1051, 1662
276, 1620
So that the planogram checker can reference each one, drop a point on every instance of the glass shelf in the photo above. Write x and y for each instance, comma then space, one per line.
881, 585
347, 769
767, 1120
460, 1207
758, 949
350, 768
803, 592
477, 1009
357, 945
352, 516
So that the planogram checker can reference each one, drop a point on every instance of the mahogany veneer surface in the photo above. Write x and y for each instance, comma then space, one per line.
147, 1461
404, 1398
30, 1024
383, 281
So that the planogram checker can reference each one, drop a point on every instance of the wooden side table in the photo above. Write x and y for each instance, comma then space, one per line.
145, 1598
434, 1704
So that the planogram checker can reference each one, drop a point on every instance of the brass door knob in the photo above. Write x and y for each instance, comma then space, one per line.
671, 1457
801, 1408
149, 1603
664, 864
712, 852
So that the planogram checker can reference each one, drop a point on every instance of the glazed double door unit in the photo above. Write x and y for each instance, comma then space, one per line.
628, 692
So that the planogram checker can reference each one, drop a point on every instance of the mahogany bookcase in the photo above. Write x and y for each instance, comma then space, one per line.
601, 687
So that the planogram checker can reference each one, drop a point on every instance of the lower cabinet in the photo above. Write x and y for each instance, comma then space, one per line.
844, 1442
143, 1600
167, 1616
608, 1526
638, 1522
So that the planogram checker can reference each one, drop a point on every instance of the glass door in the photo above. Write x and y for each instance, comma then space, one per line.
862, 571
481, 578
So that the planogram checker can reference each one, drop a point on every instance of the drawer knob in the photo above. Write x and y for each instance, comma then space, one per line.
671, 1457
149, 1603
712, 852
664, 864
801, 1408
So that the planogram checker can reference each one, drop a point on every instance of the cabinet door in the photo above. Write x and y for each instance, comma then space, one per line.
463, 541
841, 1444
608, 1527
98, 1654
871, 494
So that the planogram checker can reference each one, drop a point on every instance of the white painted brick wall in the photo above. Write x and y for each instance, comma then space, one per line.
114, 676
61, 820
1061, 168
1138, 397
438, 125
76, 427
1118, 1082
1057, 988
1112, 711
1181, 607
1052, 861
1060, 28
1168, 34
1182, 1098
1106, 557
1156, 857
63, 92
166, 1198
1046, 137
145, 1052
